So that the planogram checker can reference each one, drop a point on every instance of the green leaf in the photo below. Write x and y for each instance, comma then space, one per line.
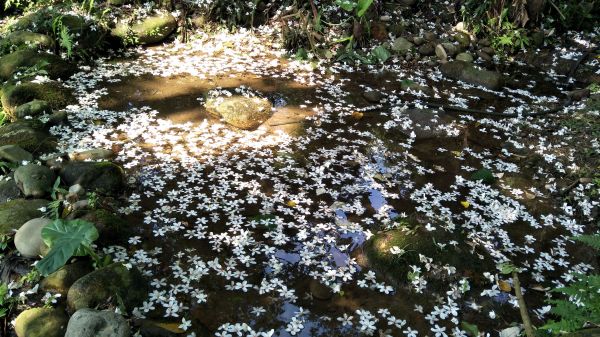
471, 329
363, 6
65, 239
381, 54
347, 5
590, 240
506, 268
485, 175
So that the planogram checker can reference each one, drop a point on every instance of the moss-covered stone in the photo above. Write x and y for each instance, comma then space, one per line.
41, 322
14, 213
108, 224
102, 177
61, 280
53, 93
27, 135
20, 60
245, 113
34, 108
107, 283
152, 29
30, 40
35, 180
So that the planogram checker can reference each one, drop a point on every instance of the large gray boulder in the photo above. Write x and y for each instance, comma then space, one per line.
244, 113
28, 239
41, 322
14, 213
152, 29
94, 323
466, 72
108, 282
35, 180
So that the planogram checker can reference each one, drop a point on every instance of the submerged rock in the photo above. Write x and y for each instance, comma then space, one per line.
34, 180
108, 282
426, 123
465, 57
14, 213
463, 71
26, 58
152, 29
94, 323
28, 239
41, 322
102, 177
245, 113
392, 252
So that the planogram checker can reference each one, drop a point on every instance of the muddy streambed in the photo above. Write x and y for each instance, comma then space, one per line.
268, 230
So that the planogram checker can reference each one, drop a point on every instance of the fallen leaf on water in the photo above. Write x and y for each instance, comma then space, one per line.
465, 204
504, 286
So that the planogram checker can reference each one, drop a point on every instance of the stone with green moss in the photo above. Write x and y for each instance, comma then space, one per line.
244, 113
54, 93
34, 108
30, 40
111, 282
61, 280
28, 136
110, 225
41, 322
101, 177
21, 60
152, 29
15, 213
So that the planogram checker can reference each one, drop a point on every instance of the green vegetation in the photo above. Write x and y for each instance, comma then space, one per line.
582, 303
66, 238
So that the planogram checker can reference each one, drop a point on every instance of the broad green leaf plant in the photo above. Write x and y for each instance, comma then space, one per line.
66, 238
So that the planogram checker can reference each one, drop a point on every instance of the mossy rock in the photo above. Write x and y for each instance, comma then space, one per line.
106, 283
87, 35
246, 113
101, 177
396, 267
54, 93
152, 29
28, 135
61, 280
9, 190
30, 40
110, 225
15, 213
20, 60
41, 322
34, 108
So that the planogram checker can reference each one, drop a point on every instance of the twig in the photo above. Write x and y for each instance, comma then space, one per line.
497, 114
529, 332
